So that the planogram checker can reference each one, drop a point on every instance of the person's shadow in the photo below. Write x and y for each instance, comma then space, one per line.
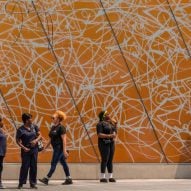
16, 188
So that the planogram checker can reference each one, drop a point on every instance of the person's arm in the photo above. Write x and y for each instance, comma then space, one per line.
63, 136
19, 142
47, 144
38, 138
106, 136
114, 129
114, 135
100, 133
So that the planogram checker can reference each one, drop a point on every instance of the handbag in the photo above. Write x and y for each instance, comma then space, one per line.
39, 143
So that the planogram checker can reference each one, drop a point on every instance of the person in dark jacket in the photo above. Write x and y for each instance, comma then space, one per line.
27, 138
3, 145
57, 139
106, 131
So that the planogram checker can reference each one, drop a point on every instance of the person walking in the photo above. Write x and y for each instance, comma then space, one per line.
106, 131
57, 139
27, 138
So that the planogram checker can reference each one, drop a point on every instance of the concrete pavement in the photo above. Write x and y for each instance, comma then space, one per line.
121, 185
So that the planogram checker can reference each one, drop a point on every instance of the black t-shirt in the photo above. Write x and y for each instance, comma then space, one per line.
55, 135
105, 128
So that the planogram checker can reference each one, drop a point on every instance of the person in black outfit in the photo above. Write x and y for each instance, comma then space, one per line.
106, 131
27, 138
57, 138
3, 145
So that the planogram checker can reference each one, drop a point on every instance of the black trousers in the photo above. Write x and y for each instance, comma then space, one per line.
1, 166
107, 153
29, 163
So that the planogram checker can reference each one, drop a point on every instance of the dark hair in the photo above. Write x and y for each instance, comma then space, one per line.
101, 115
1, 118
26, 116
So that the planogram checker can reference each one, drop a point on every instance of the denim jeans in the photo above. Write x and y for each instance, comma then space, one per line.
1, 166
56, 157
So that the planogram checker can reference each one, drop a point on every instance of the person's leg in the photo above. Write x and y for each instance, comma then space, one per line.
25, 157
104, 152
33, 169
1, 170
64, 165
54, 162
1, 166
66, 170
110, 159
110, 162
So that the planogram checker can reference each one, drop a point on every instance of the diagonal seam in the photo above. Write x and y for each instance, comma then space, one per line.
7, 106
134, 83
63, 75
179, 30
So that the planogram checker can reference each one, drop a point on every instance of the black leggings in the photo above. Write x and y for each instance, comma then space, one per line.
1, 165
106, 152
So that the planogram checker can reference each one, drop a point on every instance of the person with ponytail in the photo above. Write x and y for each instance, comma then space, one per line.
106, 131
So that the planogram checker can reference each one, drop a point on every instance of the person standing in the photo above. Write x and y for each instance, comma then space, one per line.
57, 139
27, 138
106, 131
3, 145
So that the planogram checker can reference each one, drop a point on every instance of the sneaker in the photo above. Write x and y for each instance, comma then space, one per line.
112, 180
20, 186
67, 181
44, 180
103, 180
33, 186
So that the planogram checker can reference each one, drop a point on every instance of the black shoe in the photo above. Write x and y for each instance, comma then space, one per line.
44, 180
20, 186
112, 180
67, 181
103, 180
33, 186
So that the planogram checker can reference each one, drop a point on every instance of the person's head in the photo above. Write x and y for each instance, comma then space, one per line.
26, 118
1, 122
103, 116
58, 117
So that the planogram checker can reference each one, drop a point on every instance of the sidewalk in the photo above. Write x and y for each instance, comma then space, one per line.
121, 185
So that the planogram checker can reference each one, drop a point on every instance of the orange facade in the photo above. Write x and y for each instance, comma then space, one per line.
128, 57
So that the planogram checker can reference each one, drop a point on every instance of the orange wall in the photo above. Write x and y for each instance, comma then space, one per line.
83, 59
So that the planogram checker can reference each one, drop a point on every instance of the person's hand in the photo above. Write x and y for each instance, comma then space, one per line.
26, 150
113, 135
34, 142
46, 146
43, 150
66, 154
114, 121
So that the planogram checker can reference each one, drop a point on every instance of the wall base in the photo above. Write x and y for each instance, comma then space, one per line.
121, 171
